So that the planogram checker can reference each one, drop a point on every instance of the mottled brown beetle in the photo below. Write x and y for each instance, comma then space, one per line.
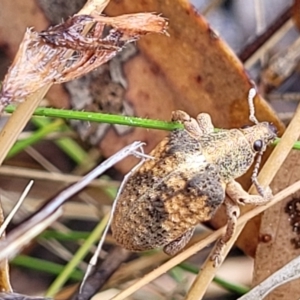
186, 182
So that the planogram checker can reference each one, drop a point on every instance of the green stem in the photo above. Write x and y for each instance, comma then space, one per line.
44, 266
61, 236
112, 119
34, 138
79, 255
102, 118
177, 274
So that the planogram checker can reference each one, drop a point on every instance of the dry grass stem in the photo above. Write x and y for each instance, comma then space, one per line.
15, 209
269, 44
53, 176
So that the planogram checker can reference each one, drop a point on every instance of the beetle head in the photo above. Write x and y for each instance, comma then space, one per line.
260, 135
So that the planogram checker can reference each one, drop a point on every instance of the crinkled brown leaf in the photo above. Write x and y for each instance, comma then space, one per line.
35, 61
43, 58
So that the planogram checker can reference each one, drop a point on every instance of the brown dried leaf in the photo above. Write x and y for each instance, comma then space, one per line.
33, 62
278, 239
18, 15
14, 18
43, 58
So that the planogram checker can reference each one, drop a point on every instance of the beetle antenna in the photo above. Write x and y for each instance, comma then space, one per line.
258, 187
251, 96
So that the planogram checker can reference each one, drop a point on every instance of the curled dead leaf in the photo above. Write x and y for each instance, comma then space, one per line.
63, 52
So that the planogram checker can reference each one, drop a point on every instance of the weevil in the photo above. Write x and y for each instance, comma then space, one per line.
187, 181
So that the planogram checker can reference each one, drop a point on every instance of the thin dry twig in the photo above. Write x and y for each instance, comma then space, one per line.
15, 209
53, 176
250, 60
253, 51
281, 65
101, 273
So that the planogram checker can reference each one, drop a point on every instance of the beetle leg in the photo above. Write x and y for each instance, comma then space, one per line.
232, 212
235, 191
205, 123
237, 196
266, 193
189, 123
178, 244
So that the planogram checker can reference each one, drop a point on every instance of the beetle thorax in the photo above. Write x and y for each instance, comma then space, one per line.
230, 150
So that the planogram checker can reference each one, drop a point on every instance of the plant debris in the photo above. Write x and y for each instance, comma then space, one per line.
63, 52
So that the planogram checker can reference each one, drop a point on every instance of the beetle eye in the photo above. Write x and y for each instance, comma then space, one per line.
258, 145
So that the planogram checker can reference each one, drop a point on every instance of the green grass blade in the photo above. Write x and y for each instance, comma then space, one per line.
44, 266
112, 119
102, 118
78, 256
